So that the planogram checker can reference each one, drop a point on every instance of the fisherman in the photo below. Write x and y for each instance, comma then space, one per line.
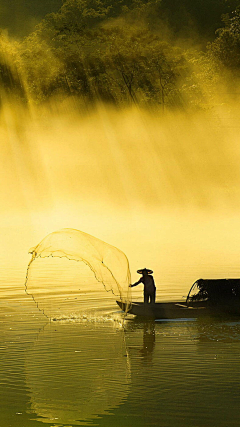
149, 285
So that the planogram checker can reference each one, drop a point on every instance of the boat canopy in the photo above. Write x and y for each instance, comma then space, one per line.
216, 291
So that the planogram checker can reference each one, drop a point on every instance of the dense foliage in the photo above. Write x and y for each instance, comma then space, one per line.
127, 51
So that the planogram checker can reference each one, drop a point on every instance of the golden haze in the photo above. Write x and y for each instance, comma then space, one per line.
164, 189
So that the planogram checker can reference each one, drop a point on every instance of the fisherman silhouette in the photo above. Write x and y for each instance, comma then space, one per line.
149, 290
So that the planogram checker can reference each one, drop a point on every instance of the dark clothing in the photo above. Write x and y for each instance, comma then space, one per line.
149, 287
150, 296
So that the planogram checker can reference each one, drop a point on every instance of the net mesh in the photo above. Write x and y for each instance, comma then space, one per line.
62, 288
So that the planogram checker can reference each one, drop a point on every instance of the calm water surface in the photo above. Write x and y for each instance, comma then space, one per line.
95, 371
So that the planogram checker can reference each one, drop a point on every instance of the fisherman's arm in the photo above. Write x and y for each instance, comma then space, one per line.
136, 283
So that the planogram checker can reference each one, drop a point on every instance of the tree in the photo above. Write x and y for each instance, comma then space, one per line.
100, 49
226, 46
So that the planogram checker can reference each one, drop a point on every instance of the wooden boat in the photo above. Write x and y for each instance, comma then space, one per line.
211, 297
168, 310
178, 310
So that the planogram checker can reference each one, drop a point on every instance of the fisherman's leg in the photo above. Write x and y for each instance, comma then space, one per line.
146, 297
153, 297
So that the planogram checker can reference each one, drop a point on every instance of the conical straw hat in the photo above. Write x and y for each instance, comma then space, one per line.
144, 270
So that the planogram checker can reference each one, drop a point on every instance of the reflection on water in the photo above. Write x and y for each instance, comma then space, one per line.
96, 372
145, 351
76, 372
190, 380
148, 339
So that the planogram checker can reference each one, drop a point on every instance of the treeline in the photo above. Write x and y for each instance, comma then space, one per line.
128, 51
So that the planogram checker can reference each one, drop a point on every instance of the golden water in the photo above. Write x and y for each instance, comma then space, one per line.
92, 371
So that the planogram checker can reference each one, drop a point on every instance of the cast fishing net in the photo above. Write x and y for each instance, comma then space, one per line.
72, 273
